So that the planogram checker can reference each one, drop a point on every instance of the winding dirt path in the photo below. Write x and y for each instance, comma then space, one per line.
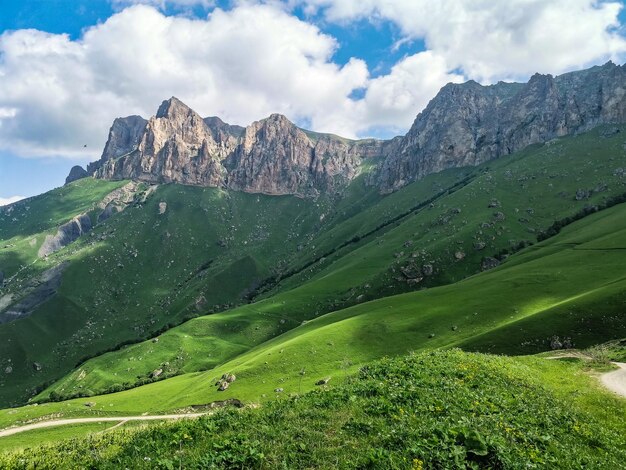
616, 380
115, 419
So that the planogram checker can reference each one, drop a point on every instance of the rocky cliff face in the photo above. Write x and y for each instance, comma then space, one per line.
463, 125
124, 137
468, 124
175, 146
77, 172
276, 157
271, 156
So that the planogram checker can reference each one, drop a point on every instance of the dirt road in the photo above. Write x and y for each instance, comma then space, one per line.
616, 380
115, 419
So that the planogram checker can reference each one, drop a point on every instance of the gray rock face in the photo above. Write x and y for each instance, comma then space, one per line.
77, 172
464, 125
36, 292
222, 131
175, 146
271, 156
124, 137
65, 235
468, 124
276, 157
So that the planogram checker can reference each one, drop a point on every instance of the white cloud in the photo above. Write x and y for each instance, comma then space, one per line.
5, 201
393, 100
241, 65
490, 40
58, 95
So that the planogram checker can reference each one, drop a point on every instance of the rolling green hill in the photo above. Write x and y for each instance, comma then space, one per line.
432, 410
570, 286
375, 265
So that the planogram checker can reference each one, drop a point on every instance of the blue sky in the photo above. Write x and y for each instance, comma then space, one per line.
353, 67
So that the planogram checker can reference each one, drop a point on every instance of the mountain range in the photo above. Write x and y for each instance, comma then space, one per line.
464, 125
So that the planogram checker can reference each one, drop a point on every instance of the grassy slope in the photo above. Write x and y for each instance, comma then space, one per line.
533, 188
35, 217
141, 270
493, 308
435, 410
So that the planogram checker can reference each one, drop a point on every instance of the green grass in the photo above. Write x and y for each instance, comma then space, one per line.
49, 435
140, 271
143, 272
571, 286
516, 308
62, 433
433, 410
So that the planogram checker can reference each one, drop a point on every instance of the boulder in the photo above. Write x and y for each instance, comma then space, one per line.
77, 172
489, 263
427, 269
582, 194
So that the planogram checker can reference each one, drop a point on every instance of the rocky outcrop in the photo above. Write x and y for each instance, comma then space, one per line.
65, 235
276, 157
117, 200
124, 137
271, 156
222, 131
37, 291
175, 146
77, 172
468, 124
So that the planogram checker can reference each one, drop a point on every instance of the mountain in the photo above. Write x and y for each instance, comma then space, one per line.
271, 156
468, 124
464, 125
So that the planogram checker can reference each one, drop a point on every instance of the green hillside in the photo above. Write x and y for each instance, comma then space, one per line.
435, 410
138, 271
570, 286
375, 265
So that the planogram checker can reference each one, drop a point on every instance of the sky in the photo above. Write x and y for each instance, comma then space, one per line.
357, 68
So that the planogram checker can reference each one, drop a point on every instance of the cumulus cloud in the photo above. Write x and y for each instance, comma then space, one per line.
393, 100
58, 96
5, 201
490, 40
241, 64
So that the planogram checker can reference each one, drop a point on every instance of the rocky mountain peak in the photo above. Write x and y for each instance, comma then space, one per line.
173, 108
463, 125
468, 124
271, 156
